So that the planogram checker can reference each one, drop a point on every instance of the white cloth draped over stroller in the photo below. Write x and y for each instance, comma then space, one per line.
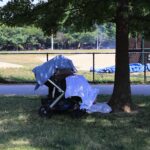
46, 70
76, 85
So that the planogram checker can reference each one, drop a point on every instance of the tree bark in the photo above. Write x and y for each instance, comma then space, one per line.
121, 97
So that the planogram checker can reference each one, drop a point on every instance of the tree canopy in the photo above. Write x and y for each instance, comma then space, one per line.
50, 15
20, 38
30, 38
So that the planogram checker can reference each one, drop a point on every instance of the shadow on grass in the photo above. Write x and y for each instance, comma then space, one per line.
22, 128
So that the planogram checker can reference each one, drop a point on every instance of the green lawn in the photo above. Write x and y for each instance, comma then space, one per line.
25, 75
22, 129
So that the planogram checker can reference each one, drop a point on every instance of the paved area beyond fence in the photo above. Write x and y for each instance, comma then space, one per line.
28, 89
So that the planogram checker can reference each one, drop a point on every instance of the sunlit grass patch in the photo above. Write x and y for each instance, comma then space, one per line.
17, 75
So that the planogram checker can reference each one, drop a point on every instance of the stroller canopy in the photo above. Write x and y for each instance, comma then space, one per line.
45, 71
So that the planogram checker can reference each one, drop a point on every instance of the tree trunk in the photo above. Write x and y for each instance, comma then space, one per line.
121, 97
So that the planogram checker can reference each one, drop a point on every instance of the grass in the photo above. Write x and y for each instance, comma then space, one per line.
22, 129
19, 75
25, 75
16, 75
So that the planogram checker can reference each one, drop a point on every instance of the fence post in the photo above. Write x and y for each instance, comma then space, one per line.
49, 90
93, 67
145, 80
46, 56
143, 57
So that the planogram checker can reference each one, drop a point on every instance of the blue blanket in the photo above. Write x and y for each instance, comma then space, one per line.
134, 67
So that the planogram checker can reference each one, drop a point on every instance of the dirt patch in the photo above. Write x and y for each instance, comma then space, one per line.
85, 61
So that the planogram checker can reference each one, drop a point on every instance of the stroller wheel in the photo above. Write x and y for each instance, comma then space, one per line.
45, 112
49, 113
42, 111
78, 113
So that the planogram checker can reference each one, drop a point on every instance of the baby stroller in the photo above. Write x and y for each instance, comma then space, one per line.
55, 72
56, 101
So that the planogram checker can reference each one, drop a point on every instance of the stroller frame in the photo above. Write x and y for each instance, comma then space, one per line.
59, 97
57, 94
